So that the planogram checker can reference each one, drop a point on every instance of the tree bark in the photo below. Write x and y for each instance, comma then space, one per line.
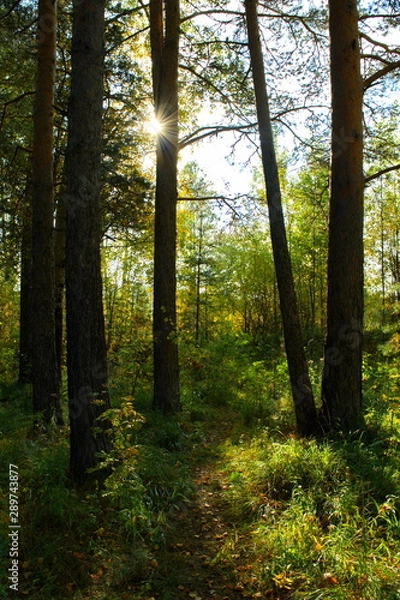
59, 256
86, 347
306, 414
44, 364
341, 385
25, 296
165, 50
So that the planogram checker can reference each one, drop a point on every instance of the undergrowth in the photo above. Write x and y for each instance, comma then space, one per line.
323, 517
73, 539
324, 525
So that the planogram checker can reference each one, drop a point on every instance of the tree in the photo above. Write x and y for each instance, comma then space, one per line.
382, 212
341, 385
25, 296
44, 361
306, 415
17, 62
308, 200
86, 346
164, 34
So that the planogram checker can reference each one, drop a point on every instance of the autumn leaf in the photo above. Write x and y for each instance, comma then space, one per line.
317, 546
330, 579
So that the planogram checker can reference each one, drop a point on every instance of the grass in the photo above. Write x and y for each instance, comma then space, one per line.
315, 519
320, 529
71, 539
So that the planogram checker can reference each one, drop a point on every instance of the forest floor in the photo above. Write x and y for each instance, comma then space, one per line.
206, 557
218, 503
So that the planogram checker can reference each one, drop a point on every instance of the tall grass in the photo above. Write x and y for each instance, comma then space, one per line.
321, 527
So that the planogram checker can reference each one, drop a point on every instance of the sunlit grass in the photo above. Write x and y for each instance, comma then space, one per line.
321, 527
312, 519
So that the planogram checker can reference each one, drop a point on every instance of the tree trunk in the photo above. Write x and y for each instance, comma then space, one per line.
86, 347
44, 364
199, 262
306, 415
341, 385
25, 297
59, 255
165, 50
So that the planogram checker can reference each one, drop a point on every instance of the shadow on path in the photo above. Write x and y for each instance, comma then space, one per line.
205, 558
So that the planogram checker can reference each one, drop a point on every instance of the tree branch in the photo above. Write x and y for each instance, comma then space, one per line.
13, 101
379, 16
207, 81
369, 81
381, 172
380, 44
206, 198
381, 59
208, 131
212, 12
9, 11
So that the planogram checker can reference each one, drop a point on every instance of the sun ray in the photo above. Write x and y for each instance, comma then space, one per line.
154, 126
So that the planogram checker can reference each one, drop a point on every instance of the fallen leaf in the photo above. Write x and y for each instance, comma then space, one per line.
244, 568
330, 579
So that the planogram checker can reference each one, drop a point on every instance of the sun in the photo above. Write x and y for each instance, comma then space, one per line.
154, 126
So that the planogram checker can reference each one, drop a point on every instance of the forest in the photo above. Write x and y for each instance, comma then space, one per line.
200, 300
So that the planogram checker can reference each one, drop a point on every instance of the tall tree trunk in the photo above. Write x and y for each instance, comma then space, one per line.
199, 260
59, 255
306, 414
44, 363
165, 50
341, 385
86, 347
25, 297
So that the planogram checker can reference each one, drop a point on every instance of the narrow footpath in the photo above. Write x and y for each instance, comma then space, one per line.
205, 557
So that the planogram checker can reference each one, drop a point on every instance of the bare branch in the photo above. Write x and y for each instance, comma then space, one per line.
13, 101
127, 13
206, 81
9, 11
208, 131
381, 59
379, 16
381, 172
207, 198
211, 12
380, 44
369, 81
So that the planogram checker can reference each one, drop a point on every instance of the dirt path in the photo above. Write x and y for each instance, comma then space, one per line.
204, 558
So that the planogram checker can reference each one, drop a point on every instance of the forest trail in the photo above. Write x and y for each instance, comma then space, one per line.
205, 558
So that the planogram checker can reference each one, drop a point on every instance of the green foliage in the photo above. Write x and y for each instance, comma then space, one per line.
382, 382
8, 326
324, 524
316, 519
148, 481
238, 373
